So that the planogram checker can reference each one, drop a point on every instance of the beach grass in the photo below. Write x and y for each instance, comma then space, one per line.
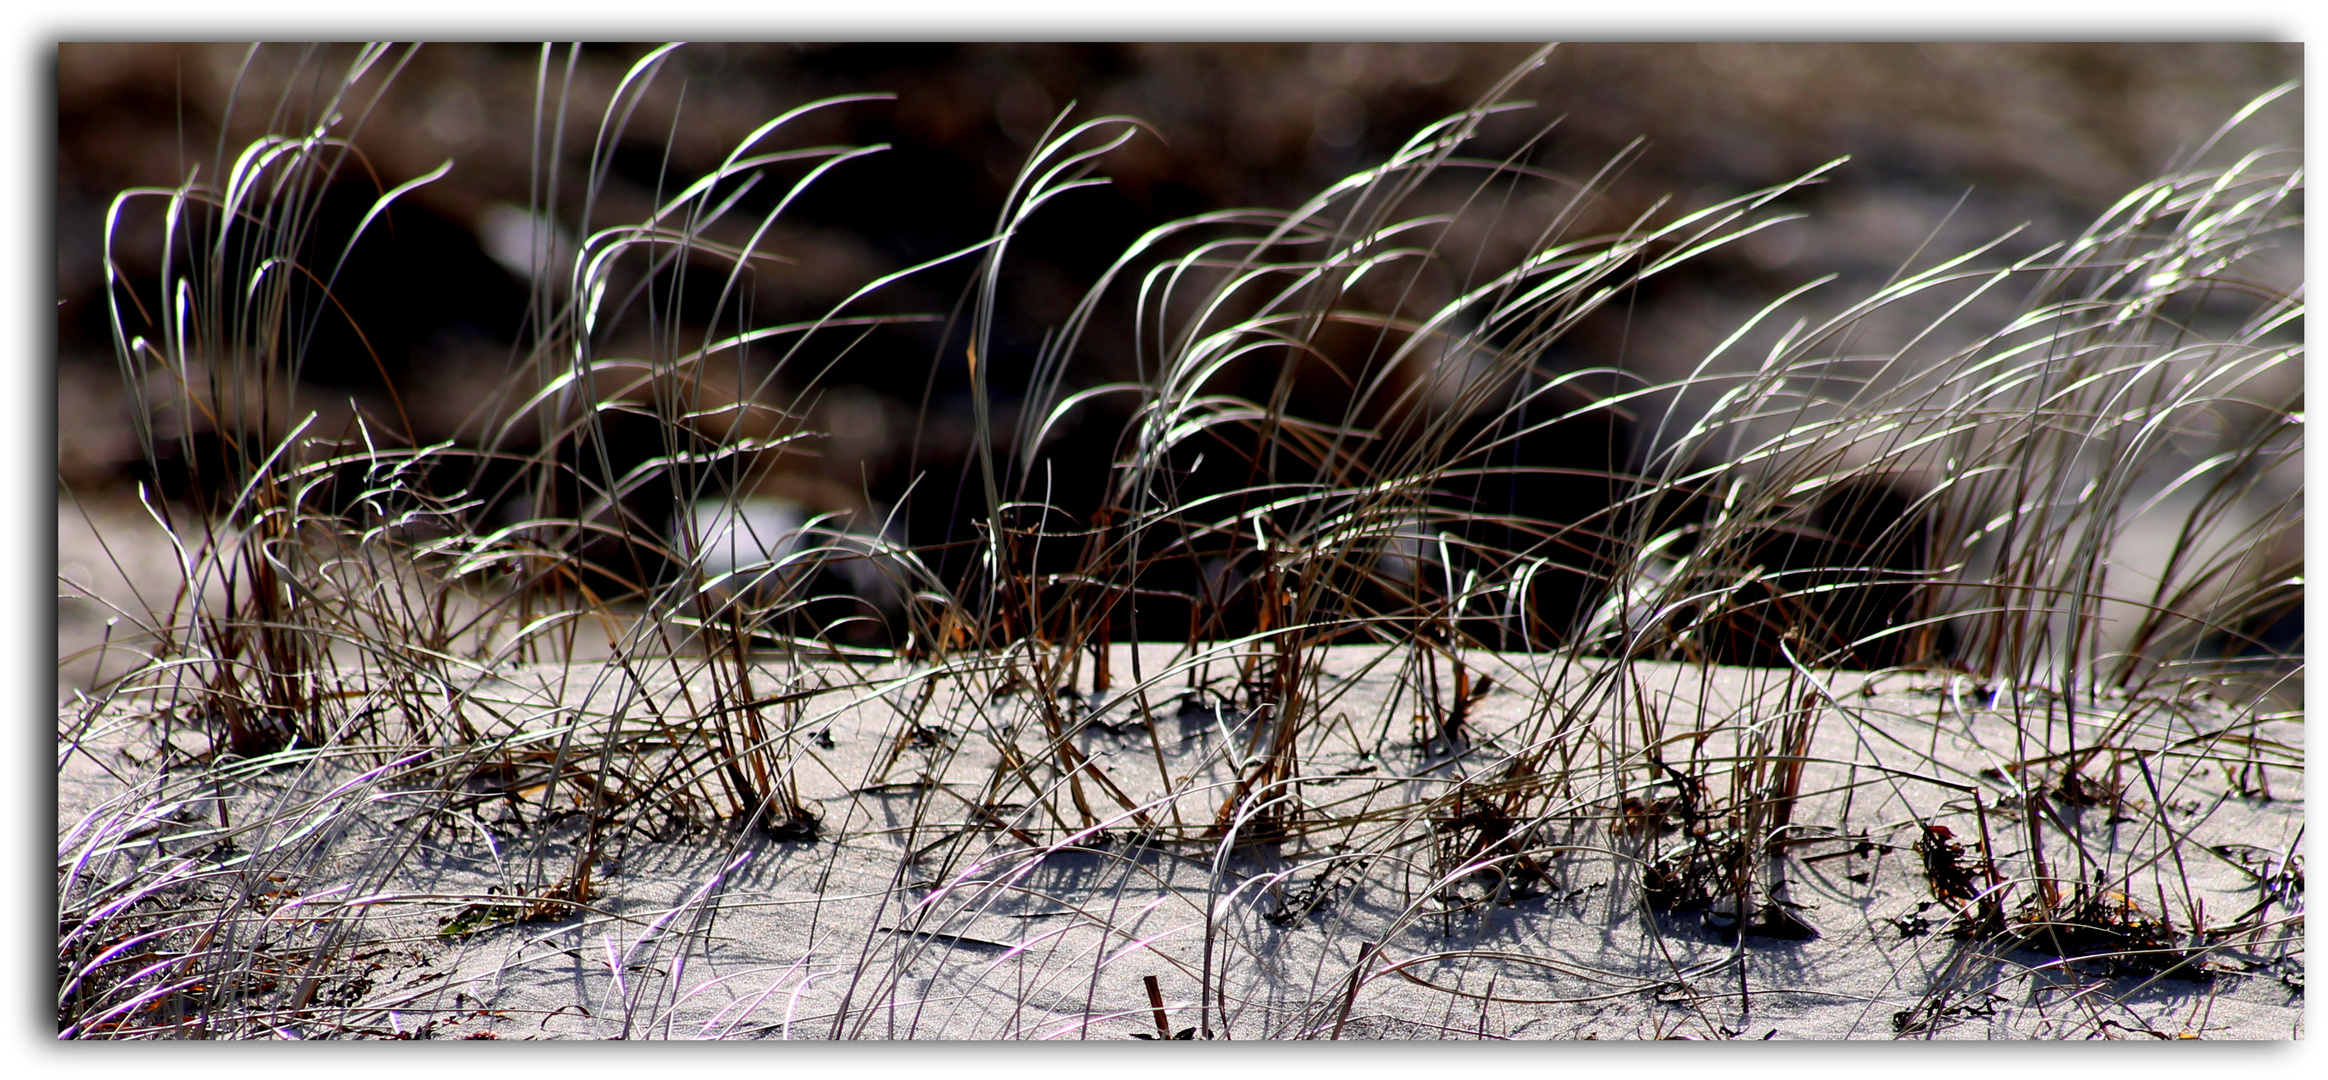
1959, 606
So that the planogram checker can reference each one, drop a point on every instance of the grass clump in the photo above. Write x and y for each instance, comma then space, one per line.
1381, 623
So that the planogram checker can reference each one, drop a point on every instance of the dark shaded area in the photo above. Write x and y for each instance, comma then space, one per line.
1837, 578
414, 282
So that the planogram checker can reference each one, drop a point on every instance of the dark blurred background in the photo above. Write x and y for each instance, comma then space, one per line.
2049, 134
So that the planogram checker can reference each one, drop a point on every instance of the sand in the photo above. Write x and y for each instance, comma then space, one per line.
945, 897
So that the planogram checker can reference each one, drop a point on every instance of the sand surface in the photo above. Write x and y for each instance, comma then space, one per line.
949, 895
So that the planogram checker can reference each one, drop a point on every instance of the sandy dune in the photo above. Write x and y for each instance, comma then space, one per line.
947, 896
